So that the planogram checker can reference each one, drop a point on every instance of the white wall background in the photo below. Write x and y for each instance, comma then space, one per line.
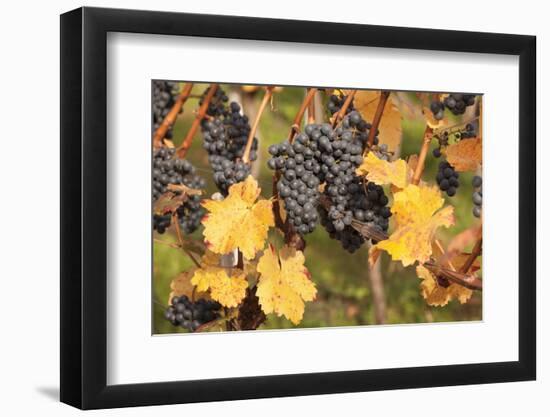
29, 220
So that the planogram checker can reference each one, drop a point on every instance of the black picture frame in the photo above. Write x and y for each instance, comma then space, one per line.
84, 207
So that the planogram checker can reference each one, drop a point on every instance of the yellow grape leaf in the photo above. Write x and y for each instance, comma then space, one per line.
227, 285
438, 295
417, 216
284, 283
465, 155
383, 172
238, 221
366, 102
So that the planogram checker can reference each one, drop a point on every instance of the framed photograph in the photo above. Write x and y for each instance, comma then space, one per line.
259, 208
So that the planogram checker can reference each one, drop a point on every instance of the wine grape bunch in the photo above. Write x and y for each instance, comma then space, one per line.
477, 195
298, 183
447, 178
168, 169
225, 133
161, 222
348, 198
164, 93
456, 103
191, 315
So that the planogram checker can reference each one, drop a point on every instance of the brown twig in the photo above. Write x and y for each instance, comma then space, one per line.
311, 110
367, 231
378, 293
465, 280
186, 144
476, 251
170, 118
175, 222
426, 140
265, 100
377, 116
340, 115
178, 246
298, 119
170, 244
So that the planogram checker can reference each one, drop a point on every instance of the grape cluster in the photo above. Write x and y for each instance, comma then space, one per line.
447, 178
225, 135
367, 206
168, 169
456, 103
298, 184
161, 222
477, 195
341, 153
164, 93
191, 315
349, 238
336, 102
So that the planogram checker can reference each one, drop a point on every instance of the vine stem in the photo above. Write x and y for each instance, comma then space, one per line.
426, 140
265, 100
340, 115
180, 240
462, 279
378, 116
311, 110
438, 130
298, 119
177, 246
186, 144
170, 118
476, 251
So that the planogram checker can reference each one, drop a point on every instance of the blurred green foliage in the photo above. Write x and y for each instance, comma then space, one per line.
344, 296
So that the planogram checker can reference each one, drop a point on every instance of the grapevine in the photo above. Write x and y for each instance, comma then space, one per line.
248, 240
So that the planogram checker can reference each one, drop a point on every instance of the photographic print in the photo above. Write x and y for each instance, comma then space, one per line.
285, 207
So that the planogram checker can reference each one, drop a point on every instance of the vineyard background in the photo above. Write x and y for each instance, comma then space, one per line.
345, 295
